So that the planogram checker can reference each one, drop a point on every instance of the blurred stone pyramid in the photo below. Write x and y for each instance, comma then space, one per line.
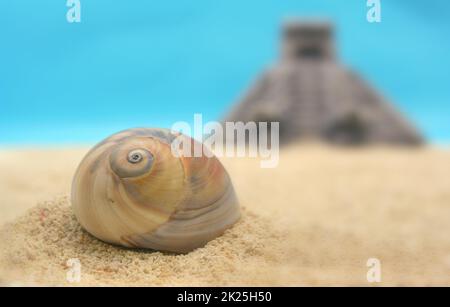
313, 96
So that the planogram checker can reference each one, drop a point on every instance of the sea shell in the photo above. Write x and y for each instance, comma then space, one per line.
131, 190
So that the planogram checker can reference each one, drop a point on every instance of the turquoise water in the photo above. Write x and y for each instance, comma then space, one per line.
151, 63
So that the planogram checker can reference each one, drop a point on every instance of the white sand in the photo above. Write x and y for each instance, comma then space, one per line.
314, 220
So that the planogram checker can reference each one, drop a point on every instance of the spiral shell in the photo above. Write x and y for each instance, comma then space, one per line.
131, 190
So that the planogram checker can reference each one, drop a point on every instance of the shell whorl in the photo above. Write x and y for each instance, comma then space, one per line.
132, 191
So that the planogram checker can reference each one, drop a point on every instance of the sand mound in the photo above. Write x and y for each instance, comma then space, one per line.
41, 242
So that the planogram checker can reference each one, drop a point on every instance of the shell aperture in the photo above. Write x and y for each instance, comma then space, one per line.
132, 191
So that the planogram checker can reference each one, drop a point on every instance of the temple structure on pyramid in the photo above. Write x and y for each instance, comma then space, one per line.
314, 96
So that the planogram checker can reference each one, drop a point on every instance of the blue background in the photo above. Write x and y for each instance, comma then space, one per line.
151, 63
